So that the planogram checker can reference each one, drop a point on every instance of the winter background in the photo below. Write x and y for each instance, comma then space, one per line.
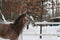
36, 30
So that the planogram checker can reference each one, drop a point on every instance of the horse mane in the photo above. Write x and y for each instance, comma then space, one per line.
13, 30
15, 24
19, 19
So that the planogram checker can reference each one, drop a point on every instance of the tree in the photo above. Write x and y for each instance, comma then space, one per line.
16, 7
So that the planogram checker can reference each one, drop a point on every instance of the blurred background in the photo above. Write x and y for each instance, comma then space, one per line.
41, 10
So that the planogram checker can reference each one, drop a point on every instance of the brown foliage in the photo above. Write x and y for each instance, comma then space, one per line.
32, 6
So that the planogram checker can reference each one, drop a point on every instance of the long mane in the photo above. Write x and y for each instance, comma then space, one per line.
15, 24
19, 19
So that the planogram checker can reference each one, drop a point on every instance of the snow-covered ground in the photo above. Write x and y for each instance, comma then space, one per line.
36, 30
46, 30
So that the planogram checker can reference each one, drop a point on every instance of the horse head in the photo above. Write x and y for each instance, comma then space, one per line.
20, 22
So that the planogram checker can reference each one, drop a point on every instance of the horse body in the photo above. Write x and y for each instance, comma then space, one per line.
12, 31
7, 32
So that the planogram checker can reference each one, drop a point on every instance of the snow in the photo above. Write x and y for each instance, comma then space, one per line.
4, 20
36, 30
46, 30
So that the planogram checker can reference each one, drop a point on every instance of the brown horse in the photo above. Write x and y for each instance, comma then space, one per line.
13, 30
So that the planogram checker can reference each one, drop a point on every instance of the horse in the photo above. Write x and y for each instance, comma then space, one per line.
13, 30
33, 23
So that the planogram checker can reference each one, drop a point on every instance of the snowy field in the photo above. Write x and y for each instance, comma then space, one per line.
46, 30
36, 30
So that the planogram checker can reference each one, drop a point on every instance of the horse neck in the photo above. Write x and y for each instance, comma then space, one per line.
19, 19
19, 25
